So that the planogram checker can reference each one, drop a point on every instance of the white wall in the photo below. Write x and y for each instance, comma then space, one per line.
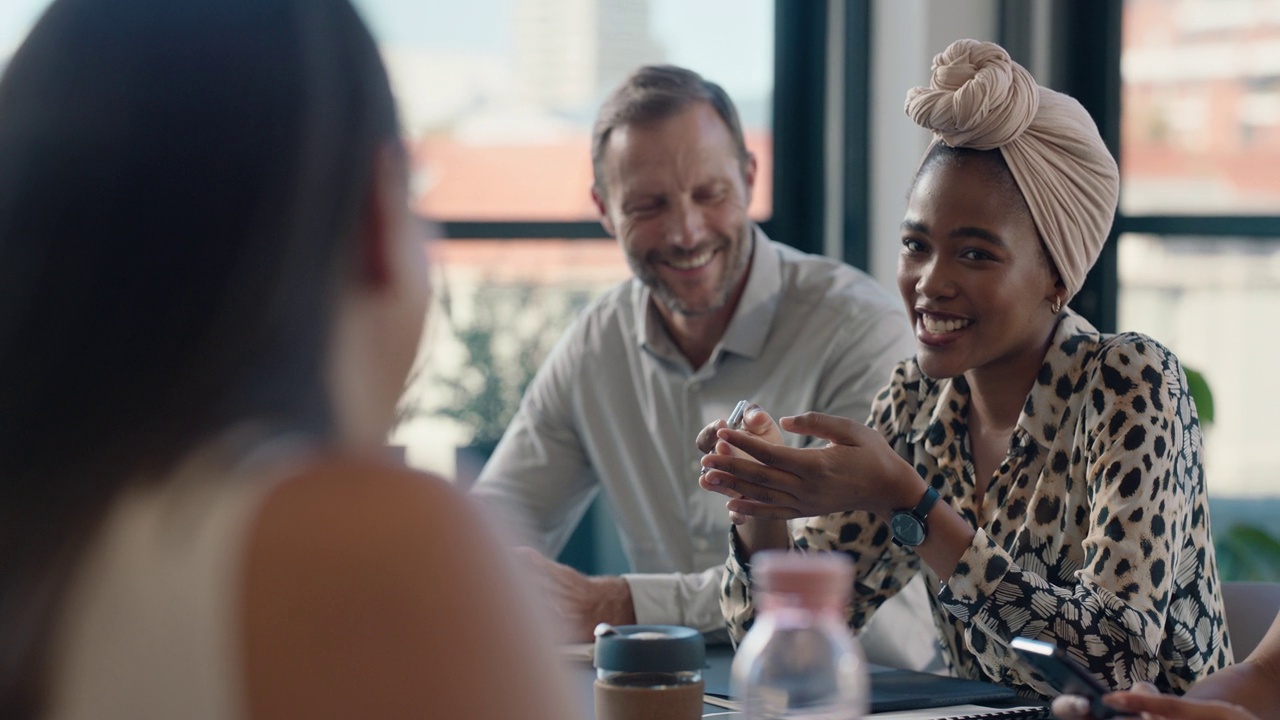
906, 34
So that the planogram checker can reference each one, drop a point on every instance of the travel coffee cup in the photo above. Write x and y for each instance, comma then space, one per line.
649, 672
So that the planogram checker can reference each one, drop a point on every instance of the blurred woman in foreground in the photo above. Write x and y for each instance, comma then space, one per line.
212, 292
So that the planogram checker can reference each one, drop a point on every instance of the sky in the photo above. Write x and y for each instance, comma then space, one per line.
16, 18
696, 33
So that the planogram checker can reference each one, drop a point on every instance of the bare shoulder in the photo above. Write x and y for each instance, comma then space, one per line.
373, 590
361, 501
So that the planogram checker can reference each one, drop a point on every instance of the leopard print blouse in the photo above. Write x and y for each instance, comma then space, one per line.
1094, 533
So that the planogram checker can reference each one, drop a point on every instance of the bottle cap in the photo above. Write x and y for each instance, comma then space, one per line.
650, 648
810, 579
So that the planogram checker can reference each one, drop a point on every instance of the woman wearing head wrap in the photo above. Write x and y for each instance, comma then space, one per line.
1045, 477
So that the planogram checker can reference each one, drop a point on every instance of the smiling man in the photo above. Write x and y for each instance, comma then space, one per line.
717, 312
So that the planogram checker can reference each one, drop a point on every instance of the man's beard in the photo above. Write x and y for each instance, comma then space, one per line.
646, 269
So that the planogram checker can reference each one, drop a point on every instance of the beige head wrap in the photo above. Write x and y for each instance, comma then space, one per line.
980, 98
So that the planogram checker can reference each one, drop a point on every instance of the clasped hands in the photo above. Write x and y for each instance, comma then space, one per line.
765, 479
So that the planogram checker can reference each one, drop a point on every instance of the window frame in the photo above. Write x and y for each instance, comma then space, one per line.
1085, 51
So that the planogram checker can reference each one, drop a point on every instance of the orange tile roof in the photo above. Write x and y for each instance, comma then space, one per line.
544, 182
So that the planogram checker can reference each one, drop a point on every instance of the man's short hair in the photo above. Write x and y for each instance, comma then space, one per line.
654, 93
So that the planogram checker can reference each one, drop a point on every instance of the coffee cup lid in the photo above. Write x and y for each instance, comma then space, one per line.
651, 648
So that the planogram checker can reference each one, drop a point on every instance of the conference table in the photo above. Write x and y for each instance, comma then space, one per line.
889, 686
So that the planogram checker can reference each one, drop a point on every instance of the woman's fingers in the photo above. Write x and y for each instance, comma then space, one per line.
706, 440
1071, 707
857, 470
724, 448
743, 474
755, 421
1176, 707
751, 510
793, 460
809, 480
754, 490
832, 428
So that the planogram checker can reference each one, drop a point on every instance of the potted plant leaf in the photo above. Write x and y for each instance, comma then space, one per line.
504, 332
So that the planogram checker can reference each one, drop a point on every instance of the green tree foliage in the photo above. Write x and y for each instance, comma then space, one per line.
1247, 553
505, 332
1201, 394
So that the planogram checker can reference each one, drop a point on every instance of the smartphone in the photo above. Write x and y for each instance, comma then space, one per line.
735, 417
1064, 674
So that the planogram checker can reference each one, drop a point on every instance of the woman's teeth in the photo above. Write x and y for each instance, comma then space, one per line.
693, 262
939, 326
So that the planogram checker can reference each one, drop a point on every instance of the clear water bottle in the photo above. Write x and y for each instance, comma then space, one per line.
800, 660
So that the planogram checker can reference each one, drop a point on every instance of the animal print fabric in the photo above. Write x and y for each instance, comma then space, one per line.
1093, 534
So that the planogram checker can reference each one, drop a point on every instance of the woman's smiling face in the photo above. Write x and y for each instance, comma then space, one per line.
973, 272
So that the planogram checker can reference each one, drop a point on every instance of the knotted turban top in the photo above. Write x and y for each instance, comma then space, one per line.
980, 98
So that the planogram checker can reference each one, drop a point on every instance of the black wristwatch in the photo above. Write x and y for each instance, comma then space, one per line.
909, 526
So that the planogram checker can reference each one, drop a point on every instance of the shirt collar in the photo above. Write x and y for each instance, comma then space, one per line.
1059, 382
944, 403
942, 412
748, 329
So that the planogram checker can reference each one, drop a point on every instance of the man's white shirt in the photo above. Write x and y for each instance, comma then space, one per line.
616, 409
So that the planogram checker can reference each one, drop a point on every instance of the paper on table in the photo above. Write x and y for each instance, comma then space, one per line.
583, 652
961, 712
721, 702
953, 712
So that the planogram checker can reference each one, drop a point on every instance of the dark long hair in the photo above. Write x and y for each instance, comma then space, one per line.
180, 182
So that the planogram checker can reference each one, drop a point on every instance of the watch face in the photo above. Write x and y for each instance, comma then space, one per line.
907, 528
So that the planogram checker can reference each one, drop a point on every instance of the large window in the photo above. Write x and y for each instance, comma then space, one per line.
1200, 131
1199, 230
497, 99
498, 96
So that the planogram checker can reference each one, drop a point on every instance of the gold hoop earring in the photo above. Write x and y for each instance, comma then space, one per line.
1056, 307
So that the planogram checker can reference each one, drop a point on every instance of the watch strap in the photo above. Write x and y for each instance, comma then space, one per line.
926, 503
